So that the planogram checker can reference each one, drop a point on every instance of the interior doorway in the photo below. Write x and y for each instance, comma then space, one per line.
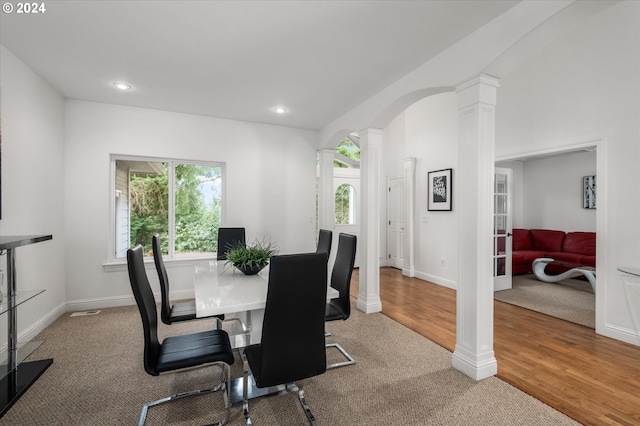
346, 187
395, 222
502, 228
560, 211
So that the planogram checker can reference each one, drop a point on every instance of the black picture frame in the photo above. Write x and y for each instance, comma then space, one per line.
589, 192
440, 190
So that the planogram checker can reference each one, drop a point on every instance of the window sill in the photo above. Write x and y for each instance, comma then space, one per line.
121, 265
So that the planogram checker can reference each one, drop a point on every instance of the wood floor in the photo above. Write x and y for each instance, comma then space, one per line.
592, 379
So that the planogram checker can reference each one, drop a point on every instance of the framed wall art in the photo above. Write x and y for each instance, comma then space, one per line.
440, 193
589, 192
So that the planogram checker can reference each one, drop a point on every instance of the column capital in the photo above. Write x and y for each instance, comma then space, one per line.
326, 155
478, 89
370, 131
409, 162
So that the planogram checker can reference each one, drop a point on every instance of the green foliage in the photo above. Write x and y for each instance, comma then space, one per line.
254, 254
349, 150
196, 223
342, 204
149, 206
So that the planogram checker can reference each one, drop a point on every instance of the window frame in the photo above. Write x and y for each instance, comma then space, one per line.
352, 204
171, 256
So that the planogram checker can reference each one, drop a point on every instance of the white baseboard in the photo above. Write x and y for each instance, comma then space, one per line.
112, 302
34, 329
626, 335
437, 280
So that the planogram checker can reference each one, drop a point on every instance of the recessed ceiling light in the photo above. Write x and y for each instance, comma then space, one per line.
122, 86
280, 110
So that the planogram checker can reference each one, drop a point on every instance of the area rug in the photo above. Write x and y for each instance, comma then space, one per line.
571, 300
401, 378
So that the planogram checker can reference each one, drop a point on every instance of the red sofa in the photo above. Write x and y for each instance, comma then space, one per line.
568, 249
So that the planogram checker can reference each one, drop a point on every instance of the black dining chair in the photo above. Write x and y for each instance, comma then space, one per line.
185, 311
227, 238
211, 347
169, 314
324, 241
292, 345
340, 308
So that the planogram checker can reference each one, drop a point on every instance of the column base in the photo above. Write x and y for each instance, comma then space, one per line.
369, 307
476, 370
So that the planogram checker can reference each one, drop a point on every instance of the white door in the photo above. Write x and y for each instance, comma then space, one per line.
395, 223
502, 229
346, 188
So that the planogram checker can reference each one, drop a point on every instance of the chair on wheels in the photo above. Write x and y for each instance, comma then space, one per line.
340, 308
324, 241
292, 346
211, 347
227, 238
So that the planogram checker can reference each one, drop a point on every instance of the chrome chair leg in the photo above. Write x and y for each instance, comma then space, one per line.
350, 359
245, 387
223, 385
289, 387
305, 406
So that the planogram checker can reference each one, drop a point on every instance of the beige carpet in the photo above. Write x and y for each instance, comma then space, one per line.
571, 300
401, 378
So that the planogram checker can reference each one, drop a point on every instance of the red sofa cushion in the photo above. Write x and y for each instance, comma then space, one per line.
546, 240
521, 240
566, 258
580, 243
525, 256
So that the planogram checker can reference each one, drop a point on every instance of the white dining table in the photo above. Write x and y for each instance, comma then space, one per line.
222, 289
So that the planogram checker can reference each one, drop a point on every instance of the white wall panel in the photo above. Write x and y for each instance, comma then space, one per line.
270, 183
33, 190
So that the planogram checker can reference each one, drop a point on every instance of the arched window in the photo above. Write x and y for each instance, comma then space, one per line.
345, 205
347, 155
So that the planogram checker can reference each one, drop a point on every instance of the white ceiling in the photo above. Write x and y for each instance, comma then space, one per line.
238, 59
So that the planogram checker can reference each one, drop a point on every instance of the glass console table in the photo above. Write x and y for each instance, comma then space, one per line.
17, 376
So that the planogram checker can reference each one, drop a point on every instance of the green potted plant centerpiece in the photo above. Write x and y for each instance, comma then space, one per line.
252, 257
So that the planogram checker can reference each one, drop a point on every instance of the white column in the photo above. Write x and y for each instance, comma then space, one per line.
369, 244
474, 354
326, 196
409, 173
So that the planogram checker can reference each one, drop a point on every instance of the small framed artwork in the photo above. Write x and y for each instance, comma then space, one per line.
589, 192
440, 194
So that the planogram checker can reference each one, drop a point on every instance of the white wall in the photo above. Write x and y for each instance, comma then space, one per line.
586, 87
428, 130
32, 190
547, 192
270, 185
553, 193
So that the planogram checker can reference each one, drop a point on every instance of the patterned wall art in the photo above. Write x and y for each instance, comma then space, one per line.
589, 192
440, 194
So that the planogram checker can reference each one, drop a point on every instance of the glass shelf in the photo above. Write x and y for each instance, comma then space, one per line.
24, 350
21, 297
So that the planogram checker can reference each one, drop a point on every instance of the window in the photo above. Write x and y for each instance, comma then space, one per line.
179, 200
345, 205
347, 155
